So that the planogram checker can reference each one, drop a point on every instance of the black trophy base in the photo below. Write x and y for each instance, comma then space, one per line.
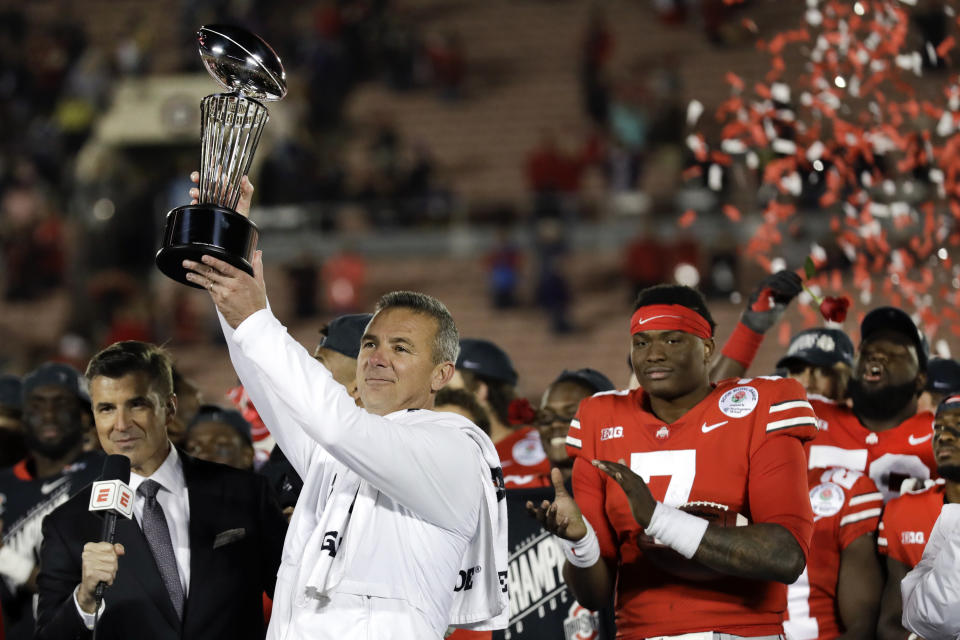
199, 230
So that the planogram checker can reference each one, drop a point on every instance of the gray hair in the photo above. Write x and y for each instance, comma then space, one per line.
446, 345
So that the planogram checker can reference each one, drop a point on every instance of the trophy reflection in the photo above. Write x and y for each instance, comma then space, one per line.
231, 125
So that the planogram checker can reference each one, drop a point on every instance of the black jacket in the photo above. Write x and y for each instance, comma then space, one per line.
236, 537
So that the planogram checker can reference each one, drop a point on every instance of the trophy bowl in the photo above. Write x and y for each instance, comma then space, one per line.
231, 124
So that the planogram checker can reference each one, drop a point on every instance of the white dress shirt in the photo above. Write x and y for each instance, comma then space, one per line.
420, 468
175, 502
931, 591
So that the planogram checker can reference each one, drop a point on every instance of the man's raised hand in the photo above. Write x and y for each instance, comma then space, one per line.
246, 194
561, 517
236, 294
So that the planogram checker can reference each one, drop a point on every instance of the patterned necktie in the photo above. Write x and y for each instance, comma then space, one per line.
155, 529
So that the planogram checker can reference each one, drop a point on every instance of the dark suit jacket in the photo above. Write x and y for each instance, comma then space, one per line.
236, 537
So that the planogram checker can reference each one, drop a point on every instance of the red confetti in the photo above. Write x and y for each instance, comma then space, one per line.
731, 212
687, 219
945, 46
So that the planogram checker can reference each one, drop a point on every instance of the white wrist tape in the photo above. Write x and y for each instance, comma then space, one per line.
677, 529
584, 552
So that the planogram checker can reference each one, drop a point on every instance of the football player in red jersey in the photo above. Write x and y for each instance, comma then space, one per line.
838, 594
738, 444
881, 433
485, 370
558, 406
909, 519
839, 591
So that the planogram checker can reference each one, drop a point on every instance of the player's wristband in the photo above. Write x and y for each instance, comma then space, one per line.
677, 529
584, 552
743, 344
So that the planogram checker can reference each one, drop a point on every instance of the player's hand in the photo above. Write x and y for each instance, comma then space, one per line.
237, 294
246, 194
561, 517
99, 563
641, 500
770, 299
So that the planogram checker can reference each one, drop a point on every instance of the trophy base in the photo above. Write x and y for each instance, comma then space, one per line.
197, 230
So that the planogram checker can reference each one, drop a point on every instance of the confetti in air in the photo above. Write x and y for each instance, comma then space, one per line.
858, 122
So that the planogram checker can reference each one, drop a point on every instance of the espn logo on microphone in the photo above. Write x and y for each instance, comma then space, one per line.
112, 495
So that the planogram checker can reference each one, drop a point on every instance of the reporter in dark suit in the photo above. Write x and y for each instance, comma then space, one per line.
204, 543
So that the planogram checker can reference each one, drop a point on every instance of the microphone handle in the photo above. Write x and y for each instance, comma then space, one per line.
106, 535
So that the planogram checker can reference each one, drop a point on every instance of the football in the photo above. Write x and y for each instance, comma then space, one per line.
669, 560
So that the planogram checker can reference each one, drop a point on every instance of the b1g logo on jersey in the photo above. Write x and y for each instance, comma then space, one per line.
739, 402
826, 499
529, 451
912, 537
608, 433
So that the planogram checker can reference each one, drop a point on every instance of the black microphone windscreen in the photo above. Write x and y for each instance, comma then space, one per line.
116, 467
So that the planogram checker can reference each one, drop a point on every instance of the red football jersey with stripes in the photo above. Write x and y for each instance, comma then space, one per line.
523, 460
846, 505
888, 457
741, 446
907, 523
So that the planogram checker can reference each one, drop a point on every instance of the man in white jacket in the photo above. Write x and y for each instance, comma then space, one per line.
397, 500
931, 591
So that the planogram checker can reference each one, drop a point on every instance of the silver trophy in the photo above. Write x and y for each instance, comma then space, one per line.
231, 124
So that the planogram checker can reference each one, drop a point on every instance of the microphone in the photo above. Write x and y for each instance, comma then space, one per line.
111, 495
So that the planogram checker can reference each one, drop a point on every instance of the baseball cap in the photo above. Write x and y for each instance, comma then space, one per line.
343, 334
588, 377
55, 373
229, 417
10, 391
819, 347
893, 319
487, 360
950, 402
943, 375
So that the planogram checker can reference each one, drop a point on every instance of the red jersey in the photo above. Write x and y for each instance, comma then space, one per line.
740, 446
888, 457
523, 460
846, 505
907, 523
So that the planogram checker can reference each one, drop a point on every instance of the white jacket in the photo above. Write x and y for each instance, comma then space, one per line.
413, 474
931, 591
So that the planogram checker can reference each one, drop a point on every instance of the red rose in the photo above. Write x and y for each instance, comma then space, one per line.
835, 309
520, 412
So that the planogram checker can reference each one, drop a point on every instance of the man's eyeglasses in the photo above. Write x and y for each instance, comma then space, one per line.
547, 418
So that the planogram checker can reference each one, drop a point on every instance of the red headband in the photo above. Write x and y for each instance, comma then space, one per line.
670, 317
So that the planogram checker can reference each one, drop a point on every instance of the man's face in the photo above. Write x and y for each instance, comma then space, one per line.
828, 382
189, 400
132, 418
557, 409
887, 359
946, 444
670, 364
342, 368
218, 442
395, 369
53, 420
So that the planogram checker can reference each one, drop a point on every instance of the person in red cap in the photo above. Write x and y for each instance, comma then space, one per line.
908, 520
880, 433
682, 440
